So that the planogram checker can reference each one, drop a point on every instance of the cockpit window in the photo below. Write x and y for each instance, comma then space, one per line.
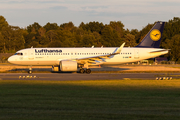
18, 54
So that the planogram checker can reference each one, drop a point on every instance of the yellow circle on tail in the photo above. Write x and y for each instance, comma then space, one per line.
155, 35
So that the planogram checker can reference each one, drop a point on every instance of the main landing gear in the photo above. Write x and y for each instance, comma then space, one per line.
88, 71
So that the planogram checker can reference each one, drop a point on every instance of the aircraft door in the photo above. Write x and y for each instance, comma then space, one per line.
31, 54
136, 54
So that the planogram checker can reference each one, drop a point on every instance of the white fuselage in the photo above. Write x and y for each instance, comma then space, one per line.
52, 56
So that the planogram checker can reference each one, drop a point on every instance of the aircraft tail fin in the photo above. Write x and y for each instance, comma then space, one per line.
153, 38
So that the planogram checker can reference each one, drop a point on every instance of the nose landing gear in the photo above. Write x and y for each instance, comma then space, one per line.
30, 70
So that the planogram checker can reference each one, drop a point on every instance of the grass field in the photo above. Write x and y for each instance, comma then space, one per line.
90, 100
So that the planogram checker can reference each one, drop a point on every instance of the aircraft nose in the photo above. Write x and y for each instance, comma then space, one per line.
10, 59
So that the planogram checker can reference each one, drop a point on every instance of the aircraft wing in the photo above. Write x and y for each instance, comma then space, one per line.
95, 60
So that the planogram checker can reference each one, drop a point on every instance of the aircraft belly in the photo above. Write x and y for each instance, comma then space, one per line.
36, 62
111, 63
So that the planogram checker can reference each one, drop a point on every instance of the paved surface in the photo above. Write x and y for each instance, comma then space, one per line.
78, 76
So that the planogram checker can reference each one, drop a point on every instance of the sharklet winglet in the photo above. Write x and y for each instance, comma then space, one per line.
120, 48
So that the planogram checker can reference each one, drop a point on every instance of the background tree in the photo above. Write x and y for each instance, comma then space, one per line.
3, 22
97, 39
171, 29
92, 26
19, 40
79, 36
130, 40
31, 38
42, 39
107, 36
51, 26
173, 44
13, 39
34, 27
110, 37
67, 26
2, 44
51, 35
9, 43
119, 27
88, 40
55, 43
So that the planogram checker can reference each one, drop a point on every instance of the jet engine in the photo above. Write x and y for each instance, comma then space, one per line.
67, 65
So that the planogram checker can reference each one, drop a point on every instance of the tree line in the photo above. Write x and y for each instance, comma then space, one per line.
13, 38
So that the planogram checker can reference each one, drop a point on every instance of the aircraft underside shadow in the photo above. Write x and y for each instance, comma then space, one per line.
103, 69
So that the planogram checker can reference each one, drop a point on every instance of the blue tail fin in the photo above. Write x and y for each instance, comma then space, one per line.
153, 38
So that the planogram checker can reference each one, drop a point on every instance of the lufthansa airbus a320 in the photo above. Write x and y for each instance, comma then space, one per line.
74, 59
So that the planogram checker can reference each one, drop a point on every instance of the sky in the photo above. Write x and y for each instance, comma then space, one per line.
134, 14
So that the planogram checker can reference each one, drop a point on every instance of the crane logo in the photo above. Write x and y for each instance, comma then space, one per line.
155, 35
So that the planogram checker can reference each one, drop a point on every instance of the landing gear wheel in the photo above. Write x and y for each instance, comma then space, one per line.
81, 70
88, 71
30, 71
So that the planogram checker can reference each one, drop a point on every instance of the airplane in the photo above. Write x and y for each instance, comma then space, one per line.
79, 59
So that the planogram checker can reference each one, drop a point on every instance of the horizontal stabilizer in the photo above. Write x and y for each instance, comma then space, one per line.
160, 51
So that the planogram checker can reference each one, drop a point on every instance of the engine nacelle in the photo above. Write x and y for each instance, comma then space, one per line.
67, 65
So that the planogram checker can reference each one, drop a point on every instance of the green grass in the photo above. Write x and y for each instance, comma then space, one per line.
90, 100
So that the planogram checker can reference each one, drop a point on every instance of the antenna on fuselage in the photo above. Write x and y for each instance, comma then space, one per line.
31, 46
92, 46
